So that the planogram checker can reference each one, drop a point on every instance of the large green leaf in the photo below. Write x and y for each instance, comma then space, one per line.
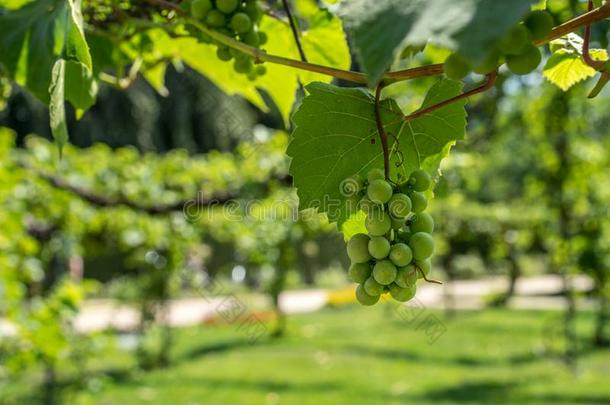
336, 136
380, 28
34, 37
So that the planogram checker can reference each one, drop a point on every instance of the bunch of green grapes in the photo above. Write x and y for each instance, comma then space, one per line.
516, 48
398, 245
237, 19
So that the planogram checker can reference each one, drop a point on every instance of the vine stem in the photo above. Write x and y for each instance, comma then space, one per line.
381, 130
295, 31
586, 54
429, 280
489, 83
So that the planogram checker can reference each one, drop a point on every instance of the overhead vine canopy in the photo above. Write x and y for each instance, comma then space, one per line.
62, 50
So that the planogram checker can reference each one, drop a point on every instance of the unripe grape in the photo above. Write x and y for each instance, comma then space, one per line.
367, 205
425, 266
397, 223
372, 287
515, 41
358, 248
199, 8
490, 63
215, 19
226, 6
223, 53
384, 272
364, 298
375, 174
242, 65
457, 67
261, 70
251, 38
262, 38
351, 185
402, 294
525, 62
540, 24
379, 191
419, 201
359, 272
399, 205
379, 247
253, 11
422, 245
422, 222
378, 223
241, 23
407, 276
420, 180
403, 236
401, 254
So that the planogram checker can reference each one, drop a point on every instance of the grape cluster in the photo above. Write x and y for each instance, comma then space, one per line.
515, 48
237, 19
398, 245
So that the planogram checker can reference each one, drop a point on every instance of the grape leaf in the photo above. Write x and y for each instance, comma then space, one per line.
34, 37
335, 136
565, 68
381, 28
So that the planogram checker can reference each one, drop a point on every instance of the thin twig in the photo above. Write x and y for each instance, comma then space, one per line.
586, 53
381, 130
429, 280
491, 80
574, 24
295, 31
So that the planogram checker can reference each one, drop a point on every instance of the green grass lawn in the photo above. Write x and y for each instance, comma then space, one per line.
373, 356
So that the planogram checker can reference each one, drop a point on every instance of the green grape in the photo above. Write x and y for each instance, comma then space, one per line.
420, 180
352, 185
262, 38
404, 236
359, 272
364, 298
422, 245
227, 6
223, 53
251, 38
456, 67
384, 272
540, 24
425, 266
215, 19
491, 62
242, 65
378, 223
525, 62
419, 201
407, 276
375, 174
515, 41
402, 294
367, 205
261, 70
372, 287
399, 205
358, 248
379, 191
397, 223
379, 247
199, 8
401, 255
241, 23
422, 222
253, 11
